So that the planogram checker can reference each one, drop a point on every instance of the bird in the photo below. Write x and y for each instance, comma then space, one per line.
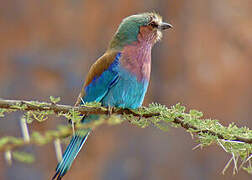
120, 77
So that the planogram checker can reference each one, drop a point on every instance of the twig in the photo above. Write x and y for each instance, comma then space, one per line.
58, 134
189, 126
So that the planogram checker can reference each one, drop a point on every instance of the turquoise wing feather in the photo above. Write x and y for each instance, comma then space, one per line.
99, 86
102, 76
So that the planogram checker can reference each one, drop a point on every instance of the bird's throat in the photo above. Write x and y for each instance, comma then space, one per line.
136, 58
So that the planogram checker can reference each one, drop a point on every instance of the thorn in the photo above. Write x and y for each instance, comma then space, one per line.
73, 125
8, 157
227, 165
232, 141
235, 163
221, 145
249, 158
199, 145
110, 110
241, 165
24, 129
58, 151
192, 135
82, 100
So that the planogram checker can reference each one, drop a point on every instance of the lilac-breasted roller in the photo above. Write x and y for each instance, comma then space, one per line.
120, 77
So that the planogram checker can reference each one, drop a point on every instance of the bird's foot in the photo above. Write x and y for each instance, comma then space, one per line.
110, 110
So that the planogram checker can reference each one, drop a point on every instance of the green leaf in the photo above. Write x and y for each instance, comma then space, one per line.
195, 113
23, 157
54, 99
92, 104
2, 111
248, 169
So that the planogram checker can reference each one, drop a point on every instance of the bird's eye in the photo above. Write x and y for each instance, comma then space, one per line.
153, 24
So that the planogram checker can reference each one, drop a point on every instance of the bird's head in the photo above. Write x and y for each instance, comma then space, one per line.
145, 27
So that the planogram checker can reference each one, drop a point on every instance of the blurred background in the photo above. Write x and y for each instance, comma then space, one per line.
47, 47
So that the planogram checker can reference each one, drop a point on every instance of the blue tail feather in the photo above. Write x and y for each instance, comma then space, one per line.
70, 154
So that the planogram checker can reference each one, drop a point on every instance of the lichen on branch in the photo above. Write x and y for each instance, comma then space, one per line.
237, 141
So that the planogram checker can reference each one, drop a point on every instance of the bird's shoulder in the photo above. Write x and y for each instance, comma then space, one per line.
101, 65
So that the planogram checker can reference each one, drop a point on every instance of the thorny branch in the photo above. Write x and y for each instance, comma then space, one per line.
57, 108
189, 126
38, 106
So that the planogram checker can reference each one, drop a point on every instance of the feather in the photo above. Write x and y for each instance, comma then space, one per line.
70, 153
102, 76
106, 64
119, 78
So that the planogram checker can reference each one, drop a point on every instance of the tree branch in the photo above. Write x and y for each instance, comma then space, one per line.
234, 140
56, 108
220, 136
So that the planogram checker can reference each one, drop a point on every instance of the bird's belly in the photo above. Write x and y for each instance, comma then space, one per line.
128, 92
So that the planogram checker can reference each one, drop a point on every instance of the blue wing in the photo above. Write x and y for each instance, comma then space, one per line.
97, 89
102, 76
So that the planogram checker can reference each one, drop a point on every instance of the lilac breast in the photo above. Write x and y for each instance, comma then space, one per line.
136, 58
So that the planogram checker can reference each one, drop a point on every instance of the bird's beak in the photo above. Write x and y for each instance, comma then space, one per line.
165, 25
